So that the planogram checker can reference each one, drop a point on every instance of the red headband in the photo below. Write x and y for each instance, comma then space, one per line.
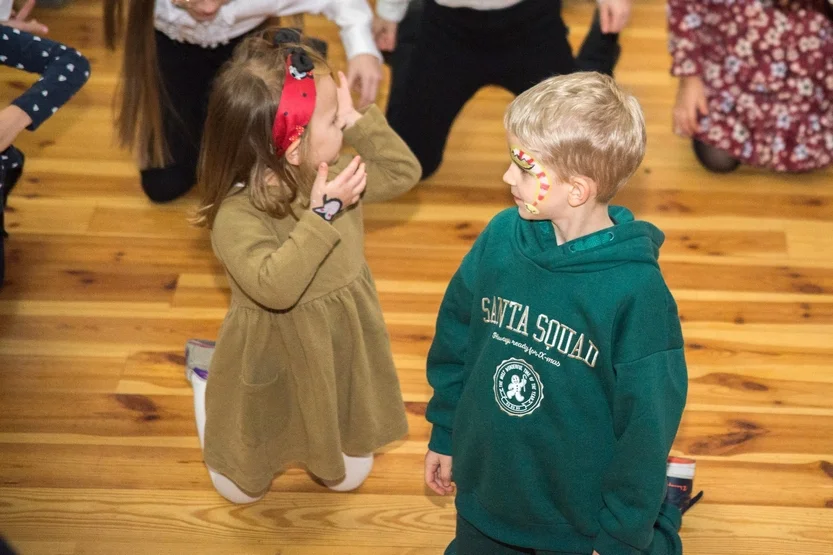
297, 102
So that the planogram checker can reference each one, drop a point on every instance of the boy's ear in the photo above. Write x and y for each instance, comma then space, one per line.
293, 153
582, 189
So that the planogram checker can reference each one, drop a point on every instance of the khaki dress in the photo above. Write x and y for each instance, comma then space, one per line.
303, 369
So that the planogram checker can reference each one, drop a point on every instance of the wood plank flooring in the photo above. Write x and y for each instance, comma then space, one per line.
98, 453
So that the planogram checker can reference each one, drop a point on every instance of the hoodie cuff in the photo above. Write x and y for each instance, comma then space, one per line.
357, 40
606, 544
440, 441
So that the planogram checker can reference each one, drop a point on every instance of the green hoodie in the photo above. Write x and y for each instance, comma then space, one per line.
559, 383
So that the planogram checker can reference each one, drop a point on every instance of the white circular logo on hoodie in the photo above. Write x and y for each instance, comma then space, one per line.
518, 387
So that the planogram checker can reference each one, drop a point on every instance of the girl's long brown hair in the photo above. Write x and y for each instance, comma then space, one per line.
237, 141
139, 95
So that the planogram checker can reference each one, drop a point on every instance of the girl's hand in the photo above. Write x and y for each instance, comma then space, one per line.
691, 101
347, 114
614, 15
384, 33
364, 73
13, 120
18, 20
330, 199
438, 473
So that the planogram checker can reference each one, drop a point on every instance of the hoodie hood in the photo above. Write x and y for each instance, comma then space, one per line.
628, 240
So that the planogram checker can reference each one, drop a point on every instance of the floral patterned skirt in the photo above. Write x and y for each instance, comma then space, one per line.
769, 83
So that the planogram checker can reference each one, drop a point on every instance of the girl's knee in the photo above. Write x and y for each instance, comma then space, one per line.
230, 491
356, 471
714, 159
166, 184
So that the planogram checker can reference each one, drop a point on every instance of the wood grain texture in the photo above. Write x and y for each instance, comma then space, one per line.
98, 451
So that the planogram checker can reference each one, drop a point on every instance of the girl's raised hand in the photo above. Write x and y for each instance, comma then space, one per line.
347, 113
328, 199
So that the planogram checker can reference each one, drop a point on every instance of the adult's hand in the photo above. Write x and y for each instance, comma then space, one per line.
13, 120
364, 73
20, 20
690, 106
614, 15
384, 33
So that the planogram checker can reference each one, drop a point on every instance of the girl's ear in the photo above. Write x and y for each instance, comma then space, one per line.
293, 153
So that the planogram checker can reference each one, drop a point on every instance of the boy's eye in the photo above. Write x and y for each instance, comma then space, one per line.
522, 160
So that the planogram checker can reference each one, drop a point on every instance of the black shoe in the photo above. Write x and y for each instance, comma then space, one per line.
11, 168
680, 480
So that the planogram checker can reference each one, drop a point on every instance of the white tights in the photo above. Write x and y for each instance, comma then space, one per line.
357, 469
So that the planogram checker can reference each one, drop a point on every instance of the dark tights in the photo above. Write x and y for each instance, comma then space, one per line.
714, 159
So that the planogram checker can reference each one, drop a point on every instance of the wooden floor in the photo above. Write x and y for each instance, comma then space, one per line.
98, 453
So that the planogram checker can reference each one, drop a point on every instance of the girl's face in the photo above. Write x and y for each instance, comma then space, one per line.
326, 127
201, 10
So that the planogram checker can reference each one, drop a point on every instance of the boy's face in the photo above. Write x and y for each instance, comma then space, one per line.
538, 193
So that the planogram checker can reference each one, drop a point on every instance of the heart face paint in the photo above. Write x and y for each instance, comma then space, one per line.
528, 164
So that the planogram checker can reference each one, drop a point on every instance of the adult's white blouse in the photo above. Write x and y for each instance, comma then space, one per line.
5, 10
238, 17
394, 10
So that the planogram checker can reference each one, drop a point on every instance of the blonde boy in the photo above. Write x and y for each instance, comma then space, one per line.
557, 366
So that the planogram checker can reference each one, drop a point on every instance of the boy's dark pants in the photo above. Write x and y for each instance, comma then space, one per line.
460, 50
471, 541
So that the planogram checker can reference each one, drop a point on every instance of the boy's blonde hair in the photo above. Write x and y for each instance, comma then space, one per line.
581, 124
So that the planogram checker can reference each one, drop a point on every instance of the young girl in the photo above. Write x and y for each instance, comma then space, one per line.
302, 370
63, 72
173, 50
756, 82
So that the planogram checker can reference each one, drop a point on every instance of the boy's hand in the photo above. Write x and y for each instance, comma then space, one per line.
329, 199
595, 552
438, 473
691, 101
347, 113
384, 33
614, 15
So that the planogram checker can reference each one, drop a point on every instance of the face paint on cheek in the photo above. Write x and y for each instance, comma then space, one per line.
528, 164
